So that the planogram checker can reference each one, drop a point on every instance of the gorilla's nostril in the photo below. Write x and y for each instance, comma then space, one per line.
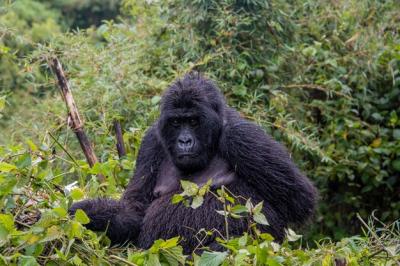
185, 141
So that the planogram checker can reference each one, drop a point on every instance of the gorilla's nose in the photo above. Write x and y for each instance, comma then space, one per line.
185, 142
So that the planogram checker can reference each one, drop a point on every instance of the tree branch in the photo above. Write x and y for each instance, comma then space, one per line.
76, 121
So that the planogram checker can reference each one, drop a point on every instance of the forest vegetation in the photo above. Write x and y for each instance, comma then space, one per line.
322, 77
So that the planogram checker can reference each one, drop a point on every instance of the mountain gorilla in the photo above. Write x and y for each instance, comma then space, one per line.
198, 137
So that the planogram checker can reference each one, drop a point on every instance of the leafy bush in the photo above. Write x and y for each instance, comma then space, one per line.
32, 181
322, 77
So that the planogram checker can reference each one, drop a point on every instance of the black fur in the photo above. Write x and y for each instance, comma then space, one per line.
254, 166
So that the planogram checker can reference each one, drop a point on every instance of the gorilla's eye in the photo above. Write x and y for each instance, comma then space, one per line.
175, 122
193, 122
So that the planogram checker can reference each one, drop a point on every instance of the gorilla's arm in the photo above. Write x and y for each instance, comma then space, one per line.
266, 165
122, 219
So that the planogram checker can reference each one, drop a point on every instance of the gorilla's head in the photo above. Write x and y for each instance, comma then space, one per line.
191, 121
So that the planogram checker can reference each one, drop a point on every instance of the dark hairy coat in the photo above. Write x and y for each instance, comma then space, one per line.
263, 167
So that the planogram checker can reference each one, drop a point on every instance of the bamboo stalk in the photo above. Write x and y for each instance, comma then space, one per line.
76, 121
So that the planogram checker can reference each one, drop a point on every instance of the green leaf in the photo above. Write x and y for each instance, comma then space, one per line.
6, 167
240, 90
169, 243
189, 188
80, 216
249, 206
174, 255
212, 258
27, 261
222, 212
197, 202
76, 230
60, 211
24, 161
275, 261
177, 198
258, 207
52, 233
7, 220
2, 99
243, 240
31, 145
396, 165
153, 260
155, 100
396, 134
309, 51
77, 194
291, 235
260, 218
239, 209
204, 189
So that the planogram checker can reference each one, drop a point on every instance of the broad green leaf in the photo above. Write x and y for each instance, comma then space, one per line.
169, 243
275, 261
243, 240
155, 99
258, 207
177, 198
249, 206
27, 261
260, 218
7, 184
197, 202
75, 229
52, 233
60, 211
7, 220
153, 260
239, 209
174, 255
31, 145
212, 258
205, 188
396, 164
189, 188
24, 161
80, 216
291, 235
396, 134
77, 194
34, 250
6, 167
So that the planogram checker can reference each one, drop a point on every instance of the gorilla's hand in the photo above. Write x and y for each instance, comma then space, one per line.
120, 221
99, 211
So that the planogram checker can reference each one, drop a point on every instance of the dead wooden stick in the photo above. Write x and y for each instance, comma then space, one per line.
76, 121
120, 140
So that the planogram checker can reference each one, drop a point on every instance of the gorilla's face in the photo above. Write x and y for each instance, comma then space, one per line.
190, 135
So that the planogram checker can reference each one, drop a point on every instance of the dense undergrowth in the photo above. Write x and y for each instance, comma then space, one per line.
321, 76
32, 188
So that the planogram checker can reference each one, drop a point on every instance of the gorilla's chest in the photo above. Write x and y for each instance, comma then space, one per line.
169, 177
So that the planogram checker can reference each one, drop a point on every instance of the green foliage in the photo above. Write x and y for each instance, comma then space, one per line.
321, 76
85, 13
53, 238
22, 24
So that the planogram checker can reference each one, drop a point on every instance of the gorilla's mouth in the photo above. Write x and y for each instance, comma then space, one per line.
187, 155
